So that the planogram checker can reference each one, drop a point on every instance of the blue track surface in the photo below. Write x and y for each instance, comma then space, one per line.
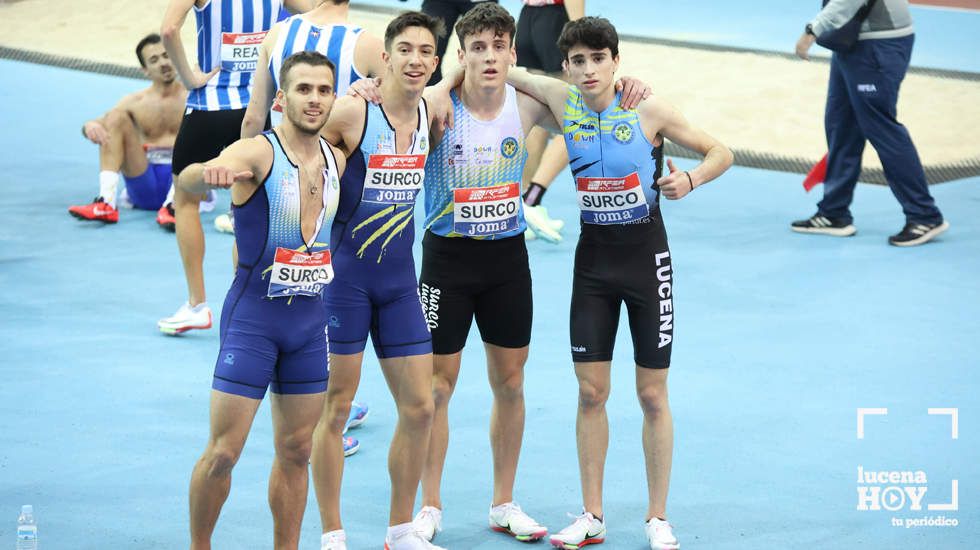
779, 339
945, 39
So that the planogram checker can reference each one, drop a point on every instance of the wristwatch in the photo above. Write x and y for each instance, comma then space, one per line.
809, 29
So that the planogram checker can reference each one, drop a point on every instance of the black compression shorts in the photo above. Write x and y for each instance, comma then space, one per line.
538, 29
204, 134
623, 263
465, 278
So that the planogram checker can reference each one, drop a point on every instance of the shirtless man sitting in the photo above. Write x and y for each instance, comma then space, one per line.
136, 137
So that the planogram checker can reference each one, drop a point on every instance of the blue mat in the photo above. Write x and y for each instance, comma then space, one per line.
779, 339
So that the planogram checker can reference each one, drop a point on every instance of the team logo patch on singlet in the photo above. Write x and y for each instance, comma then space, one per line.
606, 201
298, 274
486, 211
508, 147
240, 51
623, 132
393, 179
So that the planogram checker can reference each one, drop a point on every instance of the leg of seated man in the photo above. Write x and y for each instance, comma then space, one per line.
293, 419
410, 381
122, 151
231, 420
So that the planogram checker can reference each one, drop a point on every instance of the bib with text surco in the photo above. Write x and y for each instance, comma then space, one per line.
486, 211
607, 201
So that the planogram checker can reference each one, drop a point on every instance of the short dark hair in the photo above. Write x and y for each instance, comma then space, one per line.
153, 38
486, 16
595, 33
413, 19
305, 57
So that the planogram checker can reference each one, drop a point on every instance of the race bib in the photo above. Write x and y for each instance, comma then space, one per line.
486, 211
607, 201
298, 274
393, 179
240, 51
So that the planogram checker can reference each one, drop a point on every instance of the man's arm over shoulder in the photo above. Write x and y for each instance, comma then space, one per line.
367, 55
535, 113
659, 116
346, 124
549, 90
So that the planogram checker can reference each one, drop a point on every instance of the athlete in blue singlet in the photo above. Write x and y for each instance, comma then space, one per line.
228, 35
622, 257
285, 186
376, 290
324, 29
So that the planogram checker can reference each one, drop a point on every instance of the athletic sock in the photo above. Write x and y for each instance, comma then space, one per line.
108, 182
534, 194
396, 531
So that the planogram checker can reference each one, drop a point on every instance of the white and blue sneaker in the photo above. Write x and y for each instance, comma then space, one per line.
358, 414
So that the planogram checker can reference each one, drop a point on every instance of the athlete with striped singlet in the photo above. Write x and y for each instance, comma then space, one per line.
325, 29
622, 256
285, 186
228, 35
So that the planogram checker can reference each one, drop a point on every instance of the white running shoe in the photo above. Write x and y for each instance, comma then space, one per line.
509, 518
428, 522
334, 540
661, 535
543, 226
585, 530
186, 318
412, 540
529, 234
225, 223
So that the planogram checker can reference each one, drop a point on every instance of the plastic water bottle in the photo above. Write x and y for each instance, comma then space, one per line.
26, 529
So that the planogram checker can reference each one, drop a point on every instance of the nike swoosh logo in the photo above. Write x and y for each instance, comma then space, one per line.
98, 212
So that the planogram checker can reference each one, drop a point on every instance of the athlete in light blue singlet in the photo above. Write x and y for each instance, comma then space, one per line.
622, 257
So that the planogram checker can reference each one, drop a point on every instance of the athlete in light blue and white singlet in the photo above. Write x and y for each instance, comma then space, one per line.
473, 181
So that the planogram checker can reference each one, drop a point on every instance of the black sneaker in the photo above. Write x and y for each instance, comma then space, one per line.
917, 233
824, 225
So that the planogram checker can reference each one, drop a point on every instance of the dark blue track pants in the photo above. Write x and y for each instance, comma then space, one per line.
861, 105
